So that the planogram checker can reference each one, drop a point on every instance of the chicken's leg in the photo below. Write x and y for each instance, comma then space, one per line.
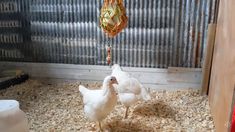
126, 114
100, 126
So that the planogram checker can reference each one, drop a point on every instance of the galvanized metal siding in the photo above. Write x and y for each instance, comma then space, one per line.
160, 33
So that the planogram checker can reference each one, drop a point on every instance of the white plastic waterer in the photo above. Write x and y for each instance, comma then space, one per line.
12, 119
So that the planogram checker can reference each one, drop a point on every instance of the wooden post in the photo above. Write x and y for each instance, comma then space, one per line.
206, 68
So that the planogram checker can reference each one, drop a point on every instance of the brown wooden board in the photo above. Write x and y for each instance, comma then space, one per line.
206, 69
223, 66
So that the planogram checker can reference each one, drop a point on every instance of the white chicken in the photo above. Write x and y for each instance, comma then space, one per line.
99, 103
130, 90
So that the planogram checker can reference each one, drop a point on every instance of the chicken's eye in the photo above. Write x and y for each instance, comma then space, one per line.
111, 79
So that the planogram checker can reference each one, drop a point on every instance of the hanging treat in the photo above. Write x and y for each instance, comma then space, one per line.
113, 17
108, 58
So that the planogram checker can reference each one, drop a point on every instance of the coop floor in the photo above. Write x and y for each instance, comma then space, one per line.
58, 107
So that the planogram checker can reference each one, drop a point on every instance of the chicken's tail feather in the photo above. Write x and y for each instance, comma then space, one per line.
144, 93
82, 89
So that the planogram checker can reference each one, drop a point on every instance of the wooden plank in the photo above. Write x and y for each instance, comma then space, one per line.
223, 67
2, 79
185, 77
151, 87
95, 75
5, 64
206, 70
173, 86
183, 69
160, 78
12, 72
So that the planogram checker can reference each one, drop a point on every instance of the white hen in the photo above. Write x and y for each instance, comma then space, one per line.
99, 103
130, 90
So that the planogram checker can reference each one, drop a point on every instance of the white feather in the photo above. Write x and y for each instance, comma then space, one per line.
98, 103
130, 90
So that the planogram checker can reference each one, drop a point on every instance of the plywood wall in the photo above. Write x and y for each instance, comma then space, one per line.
223, 66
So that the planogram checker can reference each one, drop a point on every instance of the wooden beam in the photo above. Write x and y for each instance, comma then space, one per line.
206, 68
168, 79
223, 67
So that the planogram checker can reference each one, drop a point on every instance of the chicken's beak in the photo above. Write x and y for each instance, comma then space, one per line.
115, 82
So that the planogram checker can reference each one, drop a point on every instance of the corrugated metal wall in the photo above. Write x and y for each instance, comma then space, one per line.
160, 33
